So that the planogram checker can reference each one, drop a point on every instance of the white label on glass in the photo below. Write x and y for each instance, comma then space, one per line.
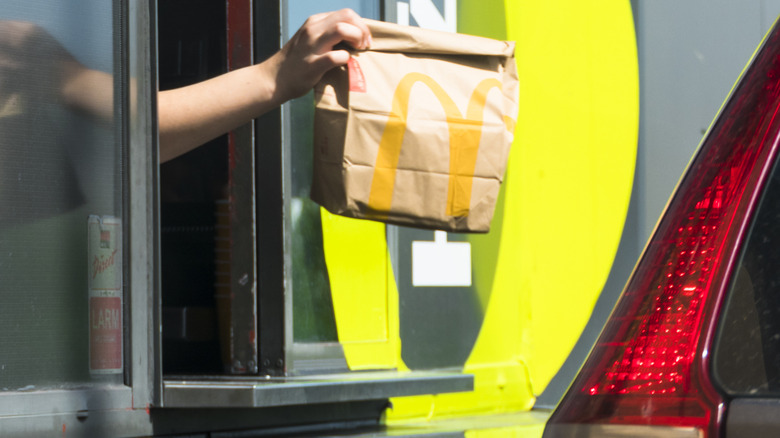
441, 263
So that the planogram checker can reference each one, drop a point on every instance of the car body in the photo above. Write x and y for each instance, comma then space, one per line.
691, 347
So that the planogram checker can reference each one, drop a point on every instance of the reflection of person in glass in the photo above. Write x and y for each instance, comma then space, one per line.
191, 115
37, 74
54, 112
33, 68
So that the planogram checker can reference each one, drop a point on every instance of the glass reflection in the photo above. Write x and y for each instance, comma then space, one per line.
60, 161
313, 319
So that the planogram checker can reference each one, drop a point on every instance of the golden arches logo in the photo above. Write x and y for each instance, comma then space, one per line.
465, 134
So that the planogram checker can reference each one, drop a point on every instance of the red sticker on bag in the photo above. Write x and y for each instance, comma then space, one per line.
357, 82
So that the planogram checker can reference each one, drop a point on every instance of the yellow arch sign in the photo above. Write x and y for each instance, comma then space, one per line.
464, 134
558, 221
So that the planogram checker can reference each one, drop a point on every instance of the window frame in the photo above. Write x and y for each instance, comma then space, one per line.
261, 154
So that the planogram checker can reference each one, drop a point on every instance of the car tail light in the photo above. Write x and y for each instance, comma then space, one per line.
648, 372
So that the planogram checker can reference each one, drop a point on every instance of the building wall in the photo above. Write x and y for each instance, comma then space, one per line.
690, 55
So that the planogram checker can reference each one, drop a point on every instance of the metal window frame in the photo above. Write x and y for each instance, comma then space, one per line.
277, 380
270, 197
145, 367
300, 358
241, 182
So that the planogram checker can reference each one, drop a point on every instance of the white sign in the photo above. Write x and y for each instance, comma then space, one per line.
428, 16
441, 263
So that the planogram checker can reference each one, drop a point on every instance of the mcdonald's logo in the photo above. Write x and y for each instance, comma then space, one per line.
465, 134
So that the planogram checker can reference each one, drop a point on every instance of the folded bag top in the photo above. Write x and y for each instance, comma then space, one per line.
390, 37
416, 130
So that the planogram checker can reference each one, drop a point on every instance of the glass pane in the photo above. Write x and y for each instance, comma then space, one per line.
313, 319
747, 353
60, 164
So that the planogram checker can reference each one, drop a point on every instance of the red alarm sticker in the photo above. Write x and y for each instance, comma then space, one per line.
105, 334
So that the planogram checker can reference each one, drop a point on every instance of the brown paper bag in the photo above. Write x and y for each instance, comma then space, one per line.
416, 130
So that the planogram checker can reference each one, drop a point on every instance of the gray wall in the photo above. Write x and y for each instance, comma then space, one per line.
690, 54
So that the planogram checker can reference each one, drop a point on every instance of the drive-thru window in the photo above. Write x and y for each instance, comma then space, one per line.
209, 295
131, 288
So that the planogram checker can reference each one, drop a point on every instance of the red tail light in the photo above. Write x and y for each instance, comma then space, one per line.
650, 365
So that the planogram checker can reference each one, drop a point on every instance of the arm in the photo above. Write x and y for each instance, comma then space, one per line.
193, 115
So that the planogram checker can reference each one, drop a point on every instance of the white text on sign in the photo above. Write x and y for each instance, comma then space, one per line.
428, 16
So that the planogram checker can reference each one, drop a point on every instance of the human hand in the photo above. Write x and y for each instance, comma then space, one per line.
312, 51
190, 116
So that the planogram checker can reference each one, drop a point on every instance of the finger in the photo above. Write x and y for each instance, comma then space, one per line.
338, 33
329, 60
337, 57
352, 17
345, 25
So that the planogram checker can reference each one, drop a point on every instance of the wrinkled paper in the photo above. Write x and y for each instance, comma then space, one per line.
416, 130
